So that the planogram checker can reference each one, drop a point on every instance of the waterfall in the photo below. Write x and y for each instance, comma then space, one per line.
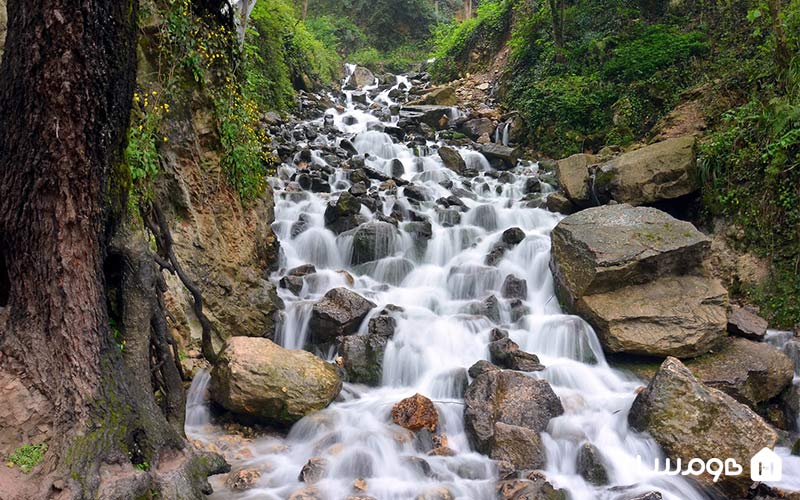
442, 330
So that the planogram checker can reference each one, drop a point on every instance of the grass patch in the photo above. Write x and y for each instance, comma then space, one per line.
27, 457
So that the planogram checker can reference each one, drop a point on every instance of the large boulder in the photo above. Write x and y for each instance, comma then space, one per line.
745, 323
437, 117
361, 78
477, 127
452, 159
690, 420
257, 378
573, 176
340, 312
439, 96
372, 241
344, 214
604, 248
516, 400
681, 316
501, 157
750, 372
362, 355
635, 275
662, 171
519, 446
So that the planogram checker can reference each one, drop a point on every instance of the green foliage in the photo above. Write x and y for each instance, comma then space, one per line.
27, 457
750, 170
339, 32
399, 60
485, 33
657, 48
282, 54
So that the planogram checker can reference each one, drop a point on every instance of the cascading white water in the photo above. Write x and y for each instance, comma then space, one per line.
437, 336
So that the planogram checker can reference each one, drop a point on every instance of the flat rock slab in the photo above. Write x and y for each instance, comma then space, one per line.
605, 248
681, 316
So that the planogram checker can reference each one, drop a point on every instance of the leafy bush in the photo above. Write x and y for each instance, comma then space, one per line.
485, 32
399, 60
28, 456
562, 111
657, 48
750, 169
339, 32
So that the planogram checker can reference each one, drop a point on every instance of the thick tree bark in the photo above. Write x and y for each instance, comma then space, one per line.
557, 11
66, 85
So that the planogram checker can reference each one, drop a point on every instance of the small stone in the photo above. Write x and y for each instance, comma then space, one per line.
416, 413
313, 471
243, 479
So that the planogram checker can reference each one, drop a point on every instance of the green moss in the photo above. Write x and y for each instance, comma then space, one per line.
27, 457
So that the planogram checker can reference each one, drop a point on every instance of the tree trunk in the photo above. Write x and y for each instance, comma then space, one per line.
66, 84
783, 55
557, 11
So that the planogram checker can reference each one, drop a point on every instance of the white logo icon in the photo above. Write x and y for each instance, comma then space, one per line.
766, 465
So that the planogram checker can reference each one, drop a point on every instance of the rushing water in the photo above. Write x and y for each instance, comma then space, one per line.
438, 336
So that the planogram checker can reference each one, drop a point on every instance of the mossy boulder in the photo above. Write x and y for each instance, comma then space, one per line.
690, 420
257, 378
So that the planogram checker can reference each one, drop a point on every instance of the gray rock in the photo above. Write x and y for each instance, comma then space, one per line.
507, 397
343, 215
590, 465
519, 446
452, 159
558, 203
604, 248
514, 288
573, 177
339, 313
743, 322
477, 127
372, 241
690, 420
501, 157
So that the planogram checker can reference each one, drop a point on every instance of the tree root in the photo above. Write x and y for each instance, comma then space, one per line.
167, 260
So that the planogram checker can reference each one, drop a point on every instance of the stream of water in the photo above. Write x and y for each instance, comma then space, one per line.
438, 335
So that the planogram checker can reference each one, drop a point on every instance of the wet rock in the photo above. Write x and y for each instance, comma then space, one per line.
514, 288
743, 322
360, 78
501, 157
477, 127
750, 372
507, 397
513, 236
506, 353
372, 241
603, 248
313, 471
452, 159
362, 355
340, 312
452, 201
420, 465
558, 203
439, 493
437, 117
663, 171
256, 378
537, 488
416, 192
532, 186
650, 495
307, 493
520, 447
242, 479
359, 98
343, 215
590, 465
358, 189
573, 177
416, 413
690, 420
292, 283
495, 255
481, 367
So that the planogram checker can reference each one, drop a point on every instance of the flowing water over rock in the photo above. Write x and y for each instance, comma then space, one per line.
431, 243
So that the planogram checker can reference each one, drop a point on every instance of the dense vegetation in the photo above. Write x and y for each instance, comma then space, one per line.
585, 74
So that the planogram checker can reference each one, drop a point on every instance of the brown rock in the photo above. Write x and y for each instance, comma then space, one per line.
243, 479
519, 446
416, 413
743, 322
